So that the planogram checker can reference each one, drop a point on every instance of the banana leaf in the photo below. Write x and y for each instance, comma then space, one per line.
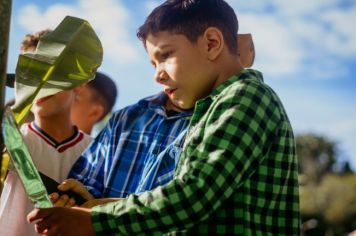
64, 59
21, 158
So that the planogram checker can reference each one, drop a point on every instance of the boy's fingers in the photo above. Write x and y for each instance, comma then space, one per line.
75, 186
70, 203
90, 203
62, 201
68, 184
85, 194
38, 213
41, 227
54, 197
44, 226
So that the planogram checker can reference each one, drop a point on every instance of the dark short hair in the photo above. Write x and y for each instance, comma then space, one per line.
191, 18
105, 91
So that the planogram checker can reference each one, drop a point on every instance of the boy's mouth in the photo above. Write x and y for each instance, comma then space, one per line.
170, 91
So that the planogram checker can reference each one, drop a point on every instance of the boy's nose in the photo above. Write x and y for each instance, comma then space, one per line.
160, 75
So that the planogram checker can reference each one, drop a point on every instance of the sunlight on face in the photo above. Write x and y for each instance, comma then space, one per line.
54, 104
182, 67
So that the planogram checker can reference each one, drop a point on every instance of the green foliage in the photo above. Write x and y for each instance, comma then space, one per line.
316, 155
331, 204
327, 199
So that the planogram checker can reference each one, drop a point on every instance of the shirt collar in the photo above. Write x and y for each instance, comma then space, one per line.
157, 102
60, 146
244, 74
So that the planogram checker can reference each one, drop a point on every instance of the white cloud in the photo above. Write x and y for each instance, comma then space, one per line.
32, 19
301, 8
297, 37
282, 7
278, 53
109, 18
251, 5
342, 38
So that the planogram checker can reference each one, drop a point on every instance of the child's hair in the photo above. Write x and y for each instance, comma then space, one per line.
30, 41
105, 91
191, 18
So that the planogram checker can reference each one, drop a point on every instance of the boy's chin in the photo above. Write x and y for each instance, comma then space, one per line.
180, 106
185, 106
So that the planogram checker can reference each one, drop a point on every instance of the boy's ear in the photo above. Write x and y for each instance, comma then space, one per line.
214, 42
97, 112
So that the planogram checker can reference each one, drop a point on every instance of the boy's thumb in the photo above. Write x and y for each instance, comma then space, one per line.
75, 186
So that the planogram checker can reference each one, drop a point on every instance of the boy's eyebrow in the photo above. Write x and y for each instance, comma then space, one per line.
161, 47
164, 46
158, 49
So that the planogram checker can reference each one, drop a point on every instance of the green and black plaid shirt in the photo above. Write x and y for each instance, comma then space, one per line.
237, 174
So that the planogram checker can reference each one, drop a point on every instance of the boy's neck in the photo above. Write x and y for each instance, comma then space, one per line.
229, 67
58, 127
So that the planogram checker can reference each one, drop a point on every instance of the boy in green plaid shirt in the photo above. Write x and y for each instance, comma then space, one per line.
238, 171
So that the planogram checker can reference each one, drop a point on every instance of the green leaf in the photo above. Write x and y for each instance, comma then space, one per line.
21, 158
64, 59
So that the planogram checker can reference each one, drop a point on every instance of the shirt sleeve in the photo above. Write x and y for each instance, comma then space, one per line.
89, 169
238, 133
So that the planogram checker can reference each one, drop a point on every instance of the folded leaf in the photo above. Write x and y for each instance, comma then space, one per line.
64, 59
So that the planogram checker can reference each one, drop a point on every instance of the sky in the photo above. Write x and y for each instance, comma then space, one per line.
305, 49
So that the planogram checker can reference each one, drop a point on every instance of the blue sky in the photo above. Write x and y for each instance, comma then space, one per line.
306, 50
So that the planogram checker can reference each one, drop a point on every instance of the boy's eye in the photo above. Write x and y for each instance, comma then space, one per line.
153, 64
166, 55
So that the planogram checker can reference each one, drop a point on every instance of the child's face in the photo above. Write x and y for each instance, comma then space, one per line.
83, 109
54, 104
182, 67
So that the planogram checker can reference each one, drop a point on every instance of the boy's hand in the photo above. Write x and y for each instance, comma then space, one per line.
62, 200
62, 221
69, 185
246, 49
99, 201
75, 186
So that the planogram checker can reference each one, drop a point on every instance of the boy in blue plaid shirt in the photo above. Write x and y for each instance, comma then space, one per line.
237, 174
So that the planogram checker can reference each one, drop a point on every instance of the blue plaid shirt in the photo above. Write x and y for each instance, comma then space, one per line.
137, 151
